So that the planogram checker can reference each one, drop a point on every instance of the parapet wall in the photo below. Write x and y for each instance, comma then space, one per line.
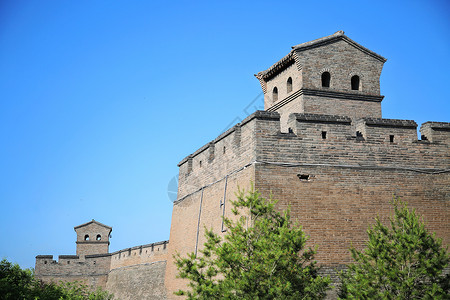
139, 255
228, 153
315, 138
95, 270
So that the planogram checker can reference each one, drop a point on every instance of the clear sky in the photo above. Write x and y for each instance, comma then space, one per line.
99, 100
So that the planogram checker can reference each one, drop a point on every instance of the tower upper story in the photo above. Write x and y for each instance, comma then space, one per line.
332, 75
92, 238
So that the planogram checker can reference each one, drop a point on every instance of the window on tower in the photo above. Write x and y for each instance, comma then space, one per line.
326, 77
289, 85
355, 83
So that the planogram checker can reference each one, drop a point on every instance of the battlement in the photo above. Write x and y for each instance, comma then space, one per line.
437, 132
139, 255
90, 269
312, 138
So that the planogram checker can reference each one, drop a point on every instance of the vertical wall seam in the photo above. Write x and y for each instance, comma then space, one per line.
222, 204
198, 224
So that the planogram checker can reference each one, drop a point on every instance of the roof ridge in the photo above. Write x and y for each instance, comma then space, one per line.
338, 35
92, 221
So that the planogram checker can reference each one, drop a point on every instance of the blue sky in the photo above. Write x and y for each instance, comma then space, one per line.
99, 100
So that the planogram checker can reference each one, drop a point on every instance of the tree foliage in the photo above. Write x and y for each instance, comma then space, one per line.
18, 284
262, 256
403, 261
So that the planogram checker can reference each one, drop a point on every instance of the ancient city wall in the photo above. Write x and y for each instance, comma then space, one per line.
197, 211
205, 191
92, 270
336, 174
336, 181
227, 153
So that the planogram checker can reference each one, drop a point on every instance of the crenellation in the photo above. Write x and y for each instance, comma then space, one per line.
387, 130
436, 132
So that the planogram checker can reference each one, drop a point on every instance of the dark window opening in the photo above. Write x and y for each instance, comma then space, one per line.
289, 85
423, 138
99, 237
303, 176
359, 134
290, 130
200, 164
355, 83
275, 94
324, 134
326, 77
86, 237
391, 138
68, 262
45, 262
224, 149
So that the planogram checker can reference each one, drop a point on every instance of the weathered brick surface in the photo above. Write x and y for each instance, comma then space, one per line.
189, 220
350, 179
136, 282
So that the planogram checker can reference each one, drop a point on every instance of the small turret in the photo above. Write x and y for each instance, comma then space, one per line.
92, 238
332, 75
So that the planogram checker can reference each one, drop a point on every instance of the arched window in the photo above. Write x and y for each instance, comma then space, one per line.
86, 237
326, 77
275, 94
99, 237
289, 85
355, 83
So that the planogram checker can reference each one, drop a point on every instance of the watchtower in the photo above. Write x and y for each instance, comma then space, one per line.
332, 75
92, 238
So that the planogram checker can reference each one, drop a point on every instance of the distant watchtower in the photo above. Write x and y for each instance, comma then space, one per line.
332, 75
92, 238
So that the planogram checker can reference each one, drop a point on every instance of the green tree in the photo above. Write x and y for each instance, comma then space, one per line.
262, 256
18, 284
15, 283
403, 261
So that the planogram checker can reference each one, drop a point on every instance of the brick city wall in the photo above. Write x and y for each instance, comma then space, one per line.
139, 255
335, 180
92, 270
